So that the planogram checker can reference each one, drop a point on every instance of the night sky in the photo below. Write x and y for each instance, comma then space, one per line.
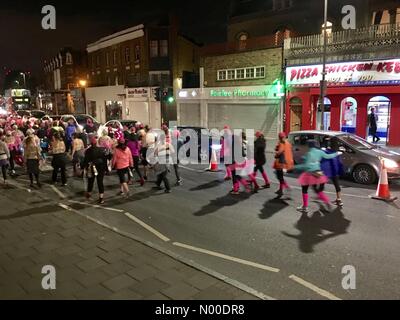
25, 45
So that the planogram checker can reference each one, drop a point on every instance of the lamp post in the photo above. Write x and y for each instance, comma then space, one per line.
323, 85
83, 84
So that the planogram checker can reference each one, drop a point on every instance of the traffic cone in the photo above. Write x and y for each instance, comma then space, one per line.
383, 192
213, 162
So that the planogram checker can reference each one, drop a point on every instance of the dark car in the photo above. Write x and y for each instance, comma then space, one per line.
204, 140
38, 114
361, 159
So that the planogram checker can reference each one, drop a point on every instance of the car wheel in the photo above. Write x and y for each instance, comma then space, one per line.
364, 174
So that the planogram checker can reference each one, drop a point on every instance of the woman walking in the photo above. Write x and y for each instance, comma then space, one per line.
283, 162
122, 160
95, 166
333, 168
32, 156
134, 146
4, 156
260, 160
78, 153
313, 176
59, 162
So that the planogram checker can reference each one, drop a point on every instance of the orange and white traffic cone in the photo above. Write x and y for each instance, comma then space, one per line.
383, 192
213, 162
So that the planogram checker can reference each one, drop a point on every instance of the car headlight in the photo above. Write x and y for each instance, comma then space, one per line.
390, 164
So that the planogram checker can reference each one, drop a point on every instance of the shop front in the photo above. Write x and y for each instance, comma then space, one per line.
141, 105
254, 107
354, 89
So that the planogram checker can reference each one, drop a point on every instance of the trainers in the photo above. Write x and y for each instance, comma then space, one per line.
167, 191
338, 203
179, 182
235, 193
266, 186
302, 209
101, 201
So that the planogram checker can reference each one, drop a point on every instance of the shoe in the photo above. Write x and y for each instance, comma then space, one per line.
87, 195
167, 191
256, 189
64, 185
279, 193
234, 193
227, 178
101, 201
179, 182
39, 185
338, 203
121, 193
303, 209
266, 186
142, 182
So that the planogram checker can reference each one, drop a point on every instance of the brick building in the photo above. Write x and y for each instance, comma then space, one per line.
240, 87
147, 58
62, 74
363, 72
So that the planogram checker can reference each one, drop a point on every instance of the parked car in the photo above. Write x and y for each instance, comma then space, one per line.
80, 120
360, 158
116, 125
38, 114
200, 134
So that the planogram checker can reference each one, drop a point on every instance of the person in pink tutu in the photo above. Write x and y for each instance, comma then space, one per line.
313, 175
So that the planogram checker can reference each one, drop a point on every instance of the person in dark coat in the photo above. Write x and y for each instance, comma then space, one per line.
373, 125
95, 165
333, 168
260, 159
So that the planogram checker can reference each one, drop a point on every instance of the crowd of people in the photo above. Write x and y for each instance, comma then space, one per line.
94, 155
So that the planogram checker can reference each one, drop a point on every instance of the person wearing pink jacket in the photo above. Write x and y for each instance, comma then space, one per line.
122, 161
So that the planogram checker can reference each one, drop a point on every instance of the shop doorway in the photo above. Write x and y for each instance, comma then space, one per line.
296, 110
327, 115
348, 115
382, 106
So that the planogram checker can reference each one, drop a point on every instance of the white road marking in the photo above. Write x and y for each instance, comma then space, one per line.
96, 206
59, 193
225, 257
147, 227
65, 207
314, 288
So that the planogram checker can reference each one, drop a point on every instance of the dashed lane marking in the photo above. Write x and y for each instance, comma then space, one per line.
314, 288
225, 257
96, 206
59, 193
147, 227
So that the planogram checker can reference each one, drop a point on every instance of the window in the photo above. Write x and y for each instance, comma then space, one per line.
250, 73
127, 55
221, 75
137, 53
240, 73
260, 72
115, 57
153, 48
107, 59
231, 74
68, 58
164, 48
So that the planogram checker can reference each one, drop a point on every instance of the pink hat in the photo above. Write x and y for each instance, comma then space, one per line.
259, 134
282, 135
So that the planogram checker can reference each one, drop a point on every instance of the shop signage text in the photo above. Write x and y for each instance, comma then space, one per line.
138, 93
238, 93
384, 72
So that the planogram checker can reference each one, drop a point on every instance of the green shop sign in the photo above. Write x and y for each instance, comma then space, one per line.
238, 93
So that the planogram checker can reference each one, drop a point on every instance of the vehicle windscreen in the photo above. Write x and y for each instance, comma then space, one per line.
357, 143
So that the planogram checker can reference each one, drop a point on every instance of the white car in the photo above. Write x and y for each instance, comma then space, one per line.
116, 125
80, 120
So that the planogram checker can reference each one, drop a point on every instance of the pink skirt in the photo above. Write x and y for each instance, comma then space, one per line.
308, 179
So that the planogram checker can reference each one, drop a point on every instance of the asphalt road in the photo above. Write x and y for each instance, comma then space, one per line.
259, 240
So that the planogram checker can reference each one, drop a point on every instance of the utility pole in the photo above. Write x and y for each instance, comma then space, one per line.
323, 84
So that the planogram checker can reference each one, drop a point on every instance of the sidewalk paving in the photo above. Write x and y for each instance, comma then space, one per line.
91, 262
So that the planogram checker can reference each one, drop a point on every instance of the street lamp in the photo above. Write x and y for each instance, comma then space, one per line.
323, 85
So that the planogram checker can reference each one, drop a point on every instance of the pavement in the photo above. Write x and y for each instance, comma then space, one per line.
256, 243
91, 262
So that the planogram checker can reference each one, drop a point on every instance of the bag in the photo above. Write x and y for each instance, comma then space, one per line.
317, 174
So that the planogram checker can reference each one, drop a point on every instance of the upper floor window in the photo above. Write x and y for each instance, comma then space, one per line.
137, 53
164, 48
107, 59
282, 4
68, 58
115, 57
241, 73
153, 48
127, 55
